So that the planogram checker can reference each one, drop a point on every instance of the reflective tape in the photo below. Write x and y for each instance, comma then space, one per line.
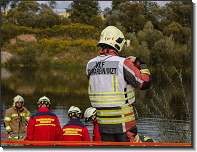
7, 119
23, 114
14, 115
145, 71
27, 118
115, 120
46, 125
72, 134
8, 128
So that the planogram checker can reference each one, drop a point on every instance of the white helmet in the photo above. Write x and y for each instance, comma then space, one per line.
44, 100
18, 98
89, 113
73, 111
113, 37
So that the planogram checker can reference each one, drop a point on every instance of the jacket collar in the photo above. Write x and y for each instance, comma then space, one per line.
74, 119
21, 109
95, 122
43, 109
111, 52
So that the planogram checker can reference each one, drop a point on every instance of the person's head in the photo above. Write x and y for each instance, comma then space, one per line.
112, 37
18, 102
90, 114
74, 112
44, 102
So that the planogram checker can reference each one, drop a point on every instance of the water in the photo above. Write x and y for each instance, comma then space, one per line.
69, 87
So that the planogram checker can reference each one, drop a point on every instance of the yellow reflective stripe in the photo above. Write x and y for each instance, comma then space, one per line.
72, 134
13, 137
22, 114
115, 114
118, 110
116, 122
8, 127
116, 118
27, 118
111, 92
107, 96
46, 125
90, 87
146, 71
7, 119
137, 138
116, 84
27, 114
108, 102
112, 83
112, 99
108, 93
14, 115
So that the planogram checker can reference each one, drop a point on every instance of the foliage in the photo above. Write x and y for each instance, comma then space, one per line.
83, 11
75, 31
149, 35
161, 110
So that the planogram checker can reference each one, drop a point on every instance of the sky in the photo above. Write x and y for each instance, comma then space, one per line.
103, 4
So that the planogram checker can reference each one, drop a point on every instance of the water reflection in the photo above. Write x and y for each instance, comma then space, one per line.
69, 87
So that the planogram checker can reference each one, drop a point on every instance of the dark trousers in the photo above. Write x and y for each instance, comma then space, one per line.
122, 137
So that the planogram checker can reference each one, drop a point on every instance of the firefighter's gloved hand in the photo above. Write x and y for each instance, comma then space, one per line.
131, 58
138, 61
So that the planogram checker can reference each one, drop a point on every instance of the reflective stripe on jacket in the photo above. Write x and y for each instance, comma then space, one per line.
44, 126
112, 80
107, 87
74, 130
15, 120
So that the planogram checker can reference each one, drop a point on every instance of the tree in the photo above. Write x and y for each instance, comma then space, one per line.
131, 16
52, 4
14, 4
115, 4
83, 11
107, 12
4, 5
28, 6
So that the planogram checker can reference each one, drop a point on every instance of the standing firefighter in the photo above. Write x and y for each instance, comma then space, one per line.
44, 125
91, 116
74, 130
112, 83
16, 118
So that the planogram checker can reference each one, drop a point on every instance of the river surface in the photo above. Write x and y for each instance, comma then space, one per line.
68, 87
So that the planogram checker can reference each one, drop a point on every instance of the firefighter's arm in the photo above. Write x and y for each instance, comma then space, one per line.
85, 135
59, 133
96, 134
7, 121
30, 130
27, 117
138, 76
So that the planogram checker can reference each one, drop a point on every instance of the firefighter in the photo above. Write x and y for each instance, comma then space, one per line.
91, 116
112, 83
74, 130
44, 125
16, 118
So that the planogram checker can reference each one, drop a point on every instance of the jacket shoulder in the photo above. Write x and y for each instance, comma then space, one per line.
43, 114
75, 123
25, 109
10, 110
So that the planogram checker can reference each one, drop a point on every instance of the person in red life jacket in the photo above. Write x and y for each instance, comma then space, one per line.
74, 130
112, 83
44, 125
91, 116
